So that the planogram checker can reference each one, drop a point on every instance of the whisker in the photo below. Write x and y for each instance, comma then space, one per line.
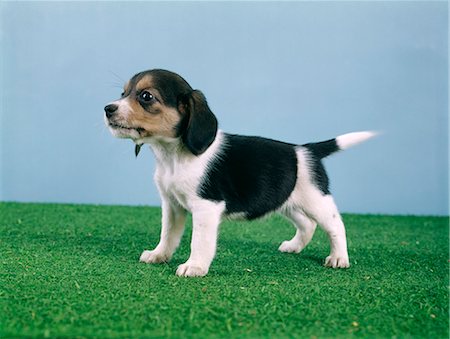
122, 81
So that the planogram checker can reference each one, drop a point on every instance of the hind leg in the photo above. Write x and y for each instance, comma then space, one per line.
326, 214
305, 228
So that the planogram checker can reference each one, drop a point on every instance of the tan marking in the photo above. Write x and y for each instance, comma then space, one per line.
157, 120
144, 82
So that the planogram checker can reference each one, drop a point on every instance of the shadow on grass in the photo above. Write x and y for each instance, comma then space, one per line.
234, 256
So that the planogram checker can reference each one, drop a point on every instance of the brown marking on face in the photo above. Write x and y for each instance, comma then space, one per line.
154, 118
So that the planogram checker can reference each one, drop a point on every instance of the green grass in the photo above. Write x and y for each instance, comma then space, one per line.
73, 271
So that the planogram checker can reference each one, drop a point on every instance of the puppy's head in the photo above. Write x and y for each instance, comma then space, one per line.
159, 104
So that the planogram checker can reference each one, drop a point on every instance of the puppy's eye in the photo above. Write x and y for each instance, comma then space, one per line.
146, 97
122, 94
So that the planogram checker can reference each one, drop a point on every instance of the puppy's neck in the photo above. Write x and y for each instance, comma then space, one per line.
164, 148
172, 151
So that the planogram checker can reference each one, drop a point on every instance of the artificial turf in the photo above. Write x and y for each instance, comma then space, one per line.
73, 271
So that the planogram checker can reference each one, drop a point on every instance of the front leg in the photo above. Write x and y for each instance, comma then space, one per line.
173, 222
205, 220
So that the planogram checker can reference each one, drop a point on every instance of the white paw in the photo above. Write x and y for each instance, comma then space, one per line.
189, 270
337, 261
154, 257
289, 247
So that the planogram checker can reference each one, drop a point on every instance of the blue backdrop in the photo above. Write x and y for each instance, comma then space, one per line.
296, 71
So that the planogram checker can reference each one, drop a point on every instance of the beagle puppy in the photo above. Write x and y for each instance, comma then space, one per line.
216, 175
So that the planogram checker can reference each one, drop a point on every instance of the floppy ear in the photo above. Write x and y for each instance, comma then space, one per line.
200, 124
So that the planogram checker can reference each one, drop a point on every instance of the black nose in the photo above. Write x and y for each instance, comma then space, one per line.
110, 109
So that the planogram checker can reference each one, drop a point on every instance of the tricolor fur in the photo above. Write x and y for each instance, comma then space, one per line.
215, 175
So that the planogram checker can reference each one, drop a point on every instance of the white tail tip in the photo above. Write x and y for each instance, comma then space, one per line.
350, 139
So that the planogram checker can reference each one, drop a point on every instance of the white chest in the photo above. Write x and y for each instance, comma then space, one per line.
180, 182
179, 175
178, 186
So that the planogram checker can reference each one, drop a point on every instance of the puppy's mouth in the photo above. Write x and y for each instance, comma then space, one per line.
115, 125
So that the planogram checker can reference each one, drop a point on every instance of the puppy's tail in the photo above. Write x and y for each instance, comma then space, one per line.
325, 148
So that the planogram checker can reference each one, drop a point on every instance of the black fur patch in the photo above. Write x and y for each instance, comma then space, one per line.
319, 175
169, 85
252, 175
317, 151
322, 149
